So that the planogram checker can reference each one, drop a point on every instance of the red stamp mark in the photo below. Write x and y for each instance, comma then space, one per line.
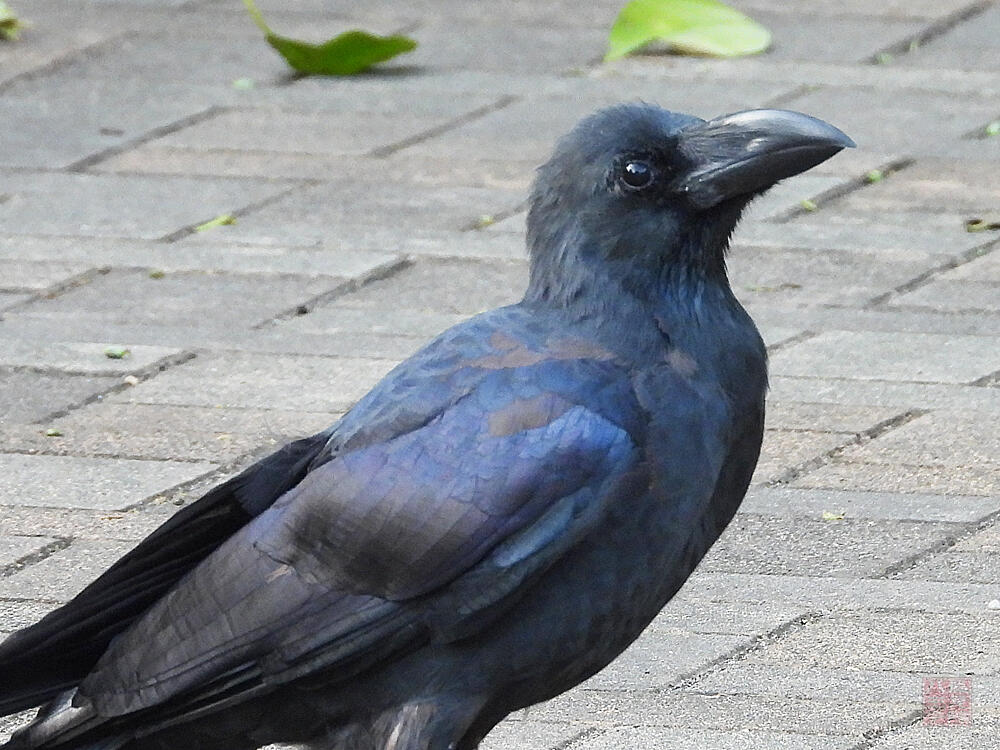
947, 701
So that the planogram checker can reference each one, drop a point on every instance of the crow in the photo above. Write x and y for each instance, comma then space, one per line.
493, 523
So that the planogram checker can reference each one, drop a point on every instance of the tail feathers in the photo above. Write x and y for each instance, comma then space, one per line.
62, 726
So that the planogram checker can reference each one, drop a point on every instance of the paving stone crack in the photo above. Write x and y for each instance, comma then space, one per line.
57, 545
931, 32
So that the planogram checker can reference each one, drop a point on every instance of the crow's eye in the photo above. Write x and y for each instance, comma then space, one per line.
637, 175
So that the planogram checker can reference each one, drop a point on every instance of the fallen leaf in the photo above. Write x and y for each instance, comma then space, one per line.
694, 27
993, 128
833, 515
222, 220
10, 27
53, 432
808, 205
982, 225
243, 84
874, 175
349, 53
116, 352
156, 274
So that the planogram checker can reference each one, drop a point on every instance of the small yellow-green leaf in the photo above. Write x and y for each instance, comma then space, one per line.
982, 225
116, 352
53, 432
874, 175
993, 128
156, 273
694, 27
833, 515
221, 220
808, 205
485, 220
10, 27
352, 52
884, 58
244, 84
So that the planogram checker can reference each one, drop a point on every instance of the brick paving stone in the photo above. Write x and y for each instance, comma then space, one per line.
728, 713
725, 618
966, 46
793, 502
884, 393
881, 356
980, 732
11, 299
62, 575
969, 479
94, 524
20, 275
80, 357
784, 415
201, 300
13, 548
75, 482
975, 567
900, 122
940, 438
810, 277
167, 432
642, 738
847, 548
16, 614
892, 640
28, 395
810, 682
449, 287
784, 449
119, 205
842, 594
261, 381
529, 735
964, 295
889, 8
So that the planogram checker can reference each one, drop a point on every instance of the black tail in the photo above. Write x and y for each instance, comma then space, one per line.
39, 662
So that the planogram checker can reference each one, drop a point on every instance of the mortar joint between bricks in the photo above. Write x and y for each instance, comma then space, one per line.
56, 545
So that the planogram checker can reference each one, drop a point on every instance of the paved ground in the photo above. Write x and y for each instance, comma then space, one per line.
867, 555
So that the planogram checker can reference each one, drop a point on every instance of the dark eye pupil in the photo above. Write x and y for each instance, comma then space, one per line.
637, 174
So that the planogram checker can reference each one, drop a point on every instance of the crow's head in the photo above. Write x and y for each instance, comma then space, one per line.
634, 190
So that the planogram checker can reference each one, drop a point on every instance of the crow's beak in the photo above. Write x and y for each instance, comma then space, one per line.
748, 152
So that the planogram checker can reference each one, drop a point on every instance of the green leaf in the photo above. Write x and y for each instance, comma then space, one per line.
222, 220
991, 224
808, 205
351, 52
10, 27
116, 352
53, 432
993, 128
694, 27
835, 515
874, 175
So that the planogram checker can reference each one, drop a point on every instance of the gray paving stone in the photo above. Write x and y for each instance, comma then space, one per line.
21, 275
985, 540
813, 546
167, 432
26, 396
121, 205
135, 297
13, 548
786, 415
880, 356
312, 215
899, 123
883, 393
413, 322
99, 483
258, 381
940, 438
10, 299
980, 732
62, 575
970, 479
785, 449
983, 270
725, 618
792, 502
642, 738
9, 723
83, 121
28, 253
810, 682
974, 567
77, 357
660, 657
447, 287
823, 593
965, 45
954, 295
18, 613
889, 8
727, 713
82, 523
808, 276
529, 735
891, 640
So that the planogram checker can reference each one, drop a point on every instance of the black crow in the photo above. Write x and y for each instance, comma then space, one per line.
493, 523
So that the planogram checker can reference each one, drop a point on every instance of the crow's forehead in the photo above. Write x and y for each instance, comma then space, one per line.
624, 128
